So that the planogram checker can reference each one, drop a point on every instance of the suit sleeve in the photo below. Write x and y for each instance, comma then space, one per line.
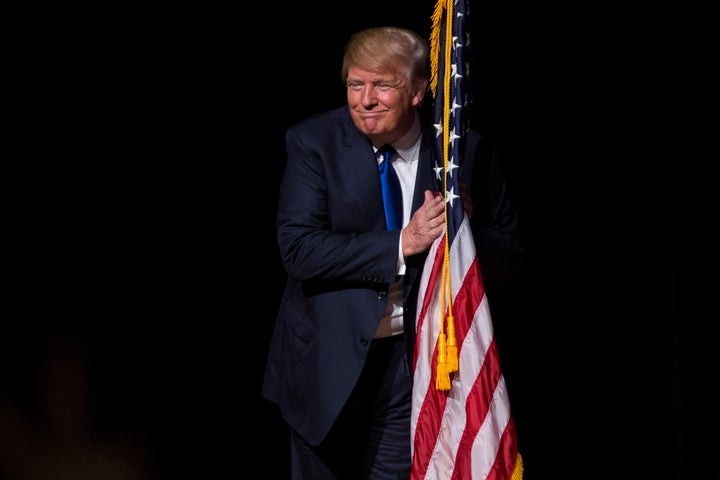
327, 231
495, 220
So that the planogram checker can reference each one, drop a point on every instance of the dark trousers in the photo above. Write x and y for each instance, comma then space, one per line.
370, 439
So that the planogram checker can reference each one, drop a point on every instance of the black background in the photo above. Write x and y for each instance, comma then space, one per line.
143, 277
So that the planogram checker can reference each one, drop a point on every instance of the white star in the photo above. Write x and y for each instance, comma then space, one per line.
457, 45
450, 196
454, 73
453, 137
452, 166
455, 106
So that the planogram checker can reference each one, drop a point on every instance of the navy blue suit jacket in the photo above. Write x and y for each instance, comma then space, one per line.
339, 260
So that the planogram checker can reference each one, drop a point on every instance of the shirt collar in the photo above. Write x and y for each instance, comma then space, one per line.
408, 145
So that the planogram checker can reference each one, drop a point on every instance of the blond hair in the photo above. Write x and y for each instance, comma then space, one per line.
388, 47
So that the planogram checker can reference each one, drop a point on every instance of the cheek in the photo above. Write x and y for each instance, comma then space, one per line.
353, 97
391, 99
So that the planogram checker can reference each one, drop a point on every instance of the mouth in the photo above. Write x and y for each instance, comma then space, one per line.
365, 114
370, 113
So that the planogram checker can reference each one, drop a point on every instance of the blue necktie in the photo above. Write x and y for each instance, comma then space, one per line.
391, 191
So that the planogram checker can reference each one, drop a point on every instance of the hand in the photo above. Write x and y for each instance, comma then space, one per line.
425, 226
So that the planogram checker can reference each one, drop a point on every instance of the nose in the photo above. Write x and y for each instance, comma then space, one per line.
368, 96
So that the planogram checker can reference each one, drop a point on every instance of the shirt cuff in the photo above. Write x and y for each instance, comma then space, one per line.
401, 257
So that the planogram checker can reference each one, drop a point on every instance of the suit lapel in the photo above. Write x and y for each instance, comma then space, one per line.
425, 175
360, 172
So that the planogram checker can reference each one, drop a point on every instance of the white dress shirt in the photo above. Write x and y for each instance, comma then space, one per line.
405, 164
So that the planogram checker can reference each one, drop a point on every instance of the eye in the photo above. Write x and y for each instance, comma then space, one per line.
356, 86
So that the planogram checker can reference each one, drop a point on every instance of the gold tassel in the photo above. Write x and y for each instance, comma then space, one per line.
452, 351
442, 381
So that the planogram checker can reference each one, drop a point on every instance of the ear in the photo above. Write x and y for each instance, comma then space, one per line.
421, 89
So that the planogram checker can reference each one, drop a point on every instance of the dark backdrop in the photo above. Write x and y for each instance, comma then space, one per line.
144, 277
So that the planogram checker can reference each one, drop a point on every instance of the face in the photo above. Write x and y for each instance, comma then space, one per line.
382, 103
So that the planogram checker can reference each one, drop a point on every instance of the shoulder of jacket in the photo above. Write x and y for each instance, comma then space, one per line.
333, 116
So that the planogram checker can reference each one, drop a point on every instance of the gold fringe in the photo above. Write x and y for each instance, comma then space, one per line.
436, 18
518, 472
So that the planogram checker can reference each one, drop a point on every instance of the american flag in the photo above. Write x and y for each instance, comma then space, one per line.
462, 426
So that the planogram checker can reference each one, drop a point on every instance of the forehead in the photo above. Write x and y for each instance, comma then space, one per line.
375, 74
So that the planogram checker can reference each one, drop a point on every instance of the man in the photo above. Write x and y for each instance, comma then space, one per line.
339, 361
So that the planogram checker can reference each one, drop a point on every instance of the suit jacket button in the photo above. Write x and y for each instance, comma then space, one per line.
382, 295
364, 342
